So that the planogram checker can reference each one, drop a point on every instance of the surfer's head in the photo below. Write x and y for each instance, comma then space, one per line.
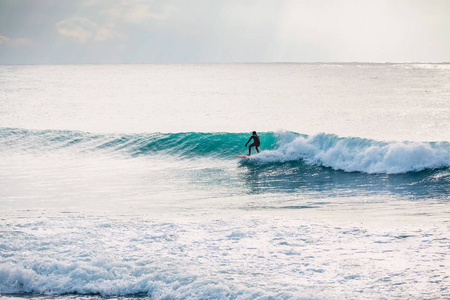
254, 132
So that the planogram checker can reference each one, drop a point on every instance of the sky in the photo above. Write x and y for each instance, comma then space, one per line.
204, 31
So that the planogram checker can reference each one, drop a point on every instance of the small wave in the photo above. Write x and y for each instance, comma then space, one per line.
357, 154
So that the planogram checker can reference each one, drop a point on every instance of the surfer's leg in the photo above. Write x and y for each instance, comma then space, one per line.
257, 150
250, 149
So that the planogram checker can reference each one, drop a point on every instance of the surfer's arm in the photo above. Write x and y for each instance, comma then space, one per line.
248, 141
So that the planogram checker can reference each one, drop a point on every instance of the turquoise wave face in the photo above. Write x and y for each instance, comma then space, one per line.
186, 145
193, 144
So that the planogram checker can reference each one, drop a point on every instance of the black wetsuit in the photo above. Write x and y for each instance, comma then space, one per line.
255, 143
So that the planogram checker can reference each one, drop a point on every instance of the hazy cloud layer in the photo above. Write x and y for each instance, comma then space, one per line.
142, 31
83, 30
16, 42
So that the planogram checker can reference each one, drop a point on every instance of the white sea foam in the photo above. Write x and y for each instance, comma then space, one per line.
358, 155
219, 259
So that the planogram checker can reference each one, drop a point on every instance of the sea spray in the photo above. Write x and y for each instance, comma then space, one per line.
357, 154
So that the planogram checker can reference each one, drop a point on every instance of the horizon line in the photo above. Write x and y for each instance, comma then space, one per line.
224, 63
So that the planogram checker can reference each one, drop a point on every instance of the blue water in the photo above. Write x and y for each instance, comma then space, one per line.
122, 181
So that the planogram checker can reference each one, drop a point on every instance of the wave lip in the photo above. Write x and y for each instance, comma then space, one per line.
357, 154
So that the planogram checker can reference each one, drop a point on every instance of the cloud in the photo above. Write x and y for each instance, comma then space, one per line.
129, 11
139, 13
83, 30
16, 42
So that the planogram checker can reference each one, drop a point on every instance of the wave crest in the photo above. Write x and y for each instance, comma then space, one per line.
357, 154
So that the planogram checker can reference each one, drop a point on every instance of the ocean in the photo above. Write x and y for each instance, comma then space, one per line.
121, 181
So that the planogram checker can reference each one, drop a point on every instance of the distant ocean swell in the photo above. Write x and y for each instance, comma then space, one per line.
349, 154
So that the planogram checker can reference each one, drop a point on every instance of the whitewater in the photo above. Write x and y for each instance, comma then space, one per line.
121, 182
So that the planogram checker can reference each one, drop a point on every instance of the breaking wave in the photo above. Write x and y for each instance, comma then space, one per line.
349, 154
357, 154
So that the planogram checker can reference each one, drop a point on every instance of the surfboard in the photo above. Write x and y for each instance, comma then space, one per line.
242, 156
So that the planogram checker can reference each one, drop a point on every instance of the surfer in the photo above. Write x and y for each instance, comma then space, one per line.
255, 143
